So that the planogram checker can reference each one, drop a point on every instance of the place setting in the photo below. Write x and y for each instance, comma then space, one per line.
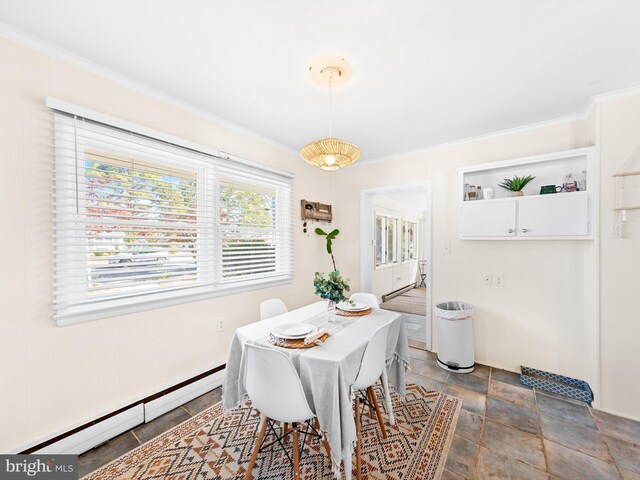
352, 309
297, 335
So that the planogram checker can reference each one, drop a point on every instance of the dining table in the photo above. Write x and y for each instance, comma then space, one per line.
326, 370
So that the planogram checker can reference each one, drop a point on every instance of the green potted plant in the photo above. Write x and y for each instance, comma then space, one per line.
516, 184
332, 286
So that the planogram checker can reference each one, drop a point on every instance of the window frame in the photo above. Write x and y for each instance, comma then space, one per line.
385, 220
213, 162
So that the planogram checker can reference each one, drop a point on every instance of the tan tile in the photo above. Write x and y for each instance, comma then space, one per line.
472, 382
584, 439
569, 464
510, 393
426, 382
511, 414
473, 402
469, 426
513, 443
615, 426
567, 411
625, 454
462, 457
493, 466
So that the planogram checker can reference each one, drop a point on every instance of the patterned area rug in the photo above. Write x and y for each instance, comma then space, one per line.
412, 301
213, 445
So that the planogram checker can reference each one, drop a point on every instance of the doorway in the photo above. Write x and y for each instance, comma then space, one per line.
395, 262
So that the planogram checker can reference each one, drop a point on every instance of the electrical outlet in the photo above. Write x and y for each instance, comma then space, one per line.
500, 280
447, 248
220, 324
487, 280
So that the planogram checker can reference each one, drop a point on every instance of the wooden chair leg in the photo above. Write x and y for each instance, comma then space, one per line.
358, 441
316, 424
296, 455
370, 398
378, 413
256, 449
285, 428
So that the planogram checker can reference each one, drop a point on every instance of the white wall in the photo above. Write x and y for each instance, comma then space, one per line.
537, 319
618, 138
52, 379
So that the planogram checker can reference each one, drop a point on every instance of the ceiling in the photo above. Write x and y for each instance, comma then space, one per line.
424, 72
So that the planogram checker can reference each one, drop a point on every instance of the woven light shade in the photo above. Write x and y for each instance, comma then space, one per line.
330, 153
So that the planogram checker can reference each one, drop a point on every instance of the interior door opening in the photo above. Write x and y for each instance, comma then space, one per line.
396, 254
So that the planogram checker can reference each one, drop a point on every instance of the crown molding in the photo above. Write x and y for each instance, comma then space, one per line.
29, 41
589, 105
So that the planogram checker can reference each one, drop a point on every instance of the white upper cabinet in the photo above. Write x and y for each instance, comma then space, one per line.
554, 215
488, 219
557, 216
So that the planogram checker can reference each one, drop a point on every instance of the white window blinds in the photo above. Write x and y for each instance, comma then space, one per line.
141, 223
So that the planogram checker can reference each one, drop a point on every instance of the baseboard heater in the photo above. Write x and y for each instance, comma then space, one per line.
388, 296
92, 434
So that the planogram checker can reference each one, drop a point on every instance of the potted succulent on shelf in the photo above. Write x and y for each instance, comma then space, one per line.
332, 286
516, 184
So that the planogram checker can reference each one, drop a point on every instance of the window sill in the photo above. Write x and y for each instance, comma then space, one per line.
222, 290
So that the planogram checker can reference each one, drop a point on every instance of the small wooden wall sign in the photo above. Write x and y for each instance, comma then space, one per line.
315, 211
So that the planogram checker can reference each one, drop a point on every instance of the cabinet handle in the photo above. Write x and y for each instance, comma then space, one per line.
510, 230
524, 230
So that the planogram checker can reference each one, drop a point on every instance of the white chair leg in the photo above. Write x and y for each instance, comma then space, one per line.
387, 396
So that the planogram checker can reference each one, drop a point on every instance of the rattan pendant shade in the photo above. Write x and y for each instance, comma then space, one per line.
330, 153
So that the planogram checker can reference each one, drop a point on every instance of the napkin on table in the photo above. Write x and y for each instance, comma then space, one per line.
315, 337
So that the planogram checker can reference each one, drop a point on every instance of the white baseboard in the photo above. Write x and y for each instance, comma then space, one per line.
157, 407
96, 434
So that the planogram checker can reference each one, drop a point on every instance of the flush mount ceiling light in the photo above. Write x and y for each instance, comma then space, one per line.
330, 153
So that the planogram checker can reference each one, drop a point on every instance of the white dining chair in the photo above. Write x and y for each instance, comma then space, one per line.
271, 308
371, 367
274, 387
369, 299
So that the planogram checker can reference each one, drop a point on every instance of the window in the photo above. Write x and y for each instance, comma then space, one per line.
140, 223
385, 240
409, 240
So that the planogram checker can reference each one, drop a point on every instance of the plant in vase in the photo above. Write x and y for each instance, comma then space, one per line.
332, 286
516, 184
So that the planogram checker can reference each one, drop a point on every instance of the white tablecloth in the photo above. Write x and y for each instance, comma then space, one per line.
326, 371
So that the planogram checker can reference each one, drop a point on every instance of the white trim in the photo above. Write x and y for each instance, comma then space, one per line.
96, 434
546, 157
161, 405
66, 320
367, 230
591, 102
108, 120
66, 56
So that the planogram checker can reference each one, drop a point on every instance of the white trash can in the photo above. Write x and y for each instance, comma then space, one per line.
455, 337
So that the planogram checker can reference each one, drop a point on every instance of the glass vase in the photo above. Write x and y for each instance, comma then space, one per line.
331, 311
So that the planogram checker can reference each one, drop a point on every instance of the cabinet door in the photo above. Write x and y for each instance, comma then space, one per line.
551, 215
488, 219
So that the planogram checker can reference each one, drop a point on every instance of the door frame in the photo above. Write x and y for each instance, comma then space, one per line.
367, 249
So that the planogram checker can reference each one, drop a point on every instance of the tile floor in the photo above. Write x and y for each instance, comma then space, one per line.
505, 431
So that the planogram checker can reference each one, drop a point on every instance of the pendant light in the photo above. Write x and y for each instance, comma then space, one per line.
330, 153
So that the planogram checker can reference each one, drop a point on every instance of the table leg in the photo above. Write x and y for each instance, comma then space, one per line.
387, 396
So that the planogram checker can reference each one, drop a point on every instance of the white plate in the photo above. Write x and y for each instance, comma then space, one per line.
348, 307
294, 330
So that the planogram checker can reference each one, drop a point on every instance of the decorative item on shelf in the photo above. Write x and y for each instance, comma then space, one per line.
472, 192
479, 193
582, 181
466, 192
547, 189
487, 193
570, 184
516, 184
330, 153
332, 286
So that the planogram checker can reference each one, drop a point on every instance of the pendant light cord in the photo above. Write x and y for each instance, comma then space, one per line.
330, 106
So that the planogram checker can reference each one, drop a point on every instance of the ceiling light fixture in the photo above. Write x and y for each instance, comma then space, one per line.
330, 153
